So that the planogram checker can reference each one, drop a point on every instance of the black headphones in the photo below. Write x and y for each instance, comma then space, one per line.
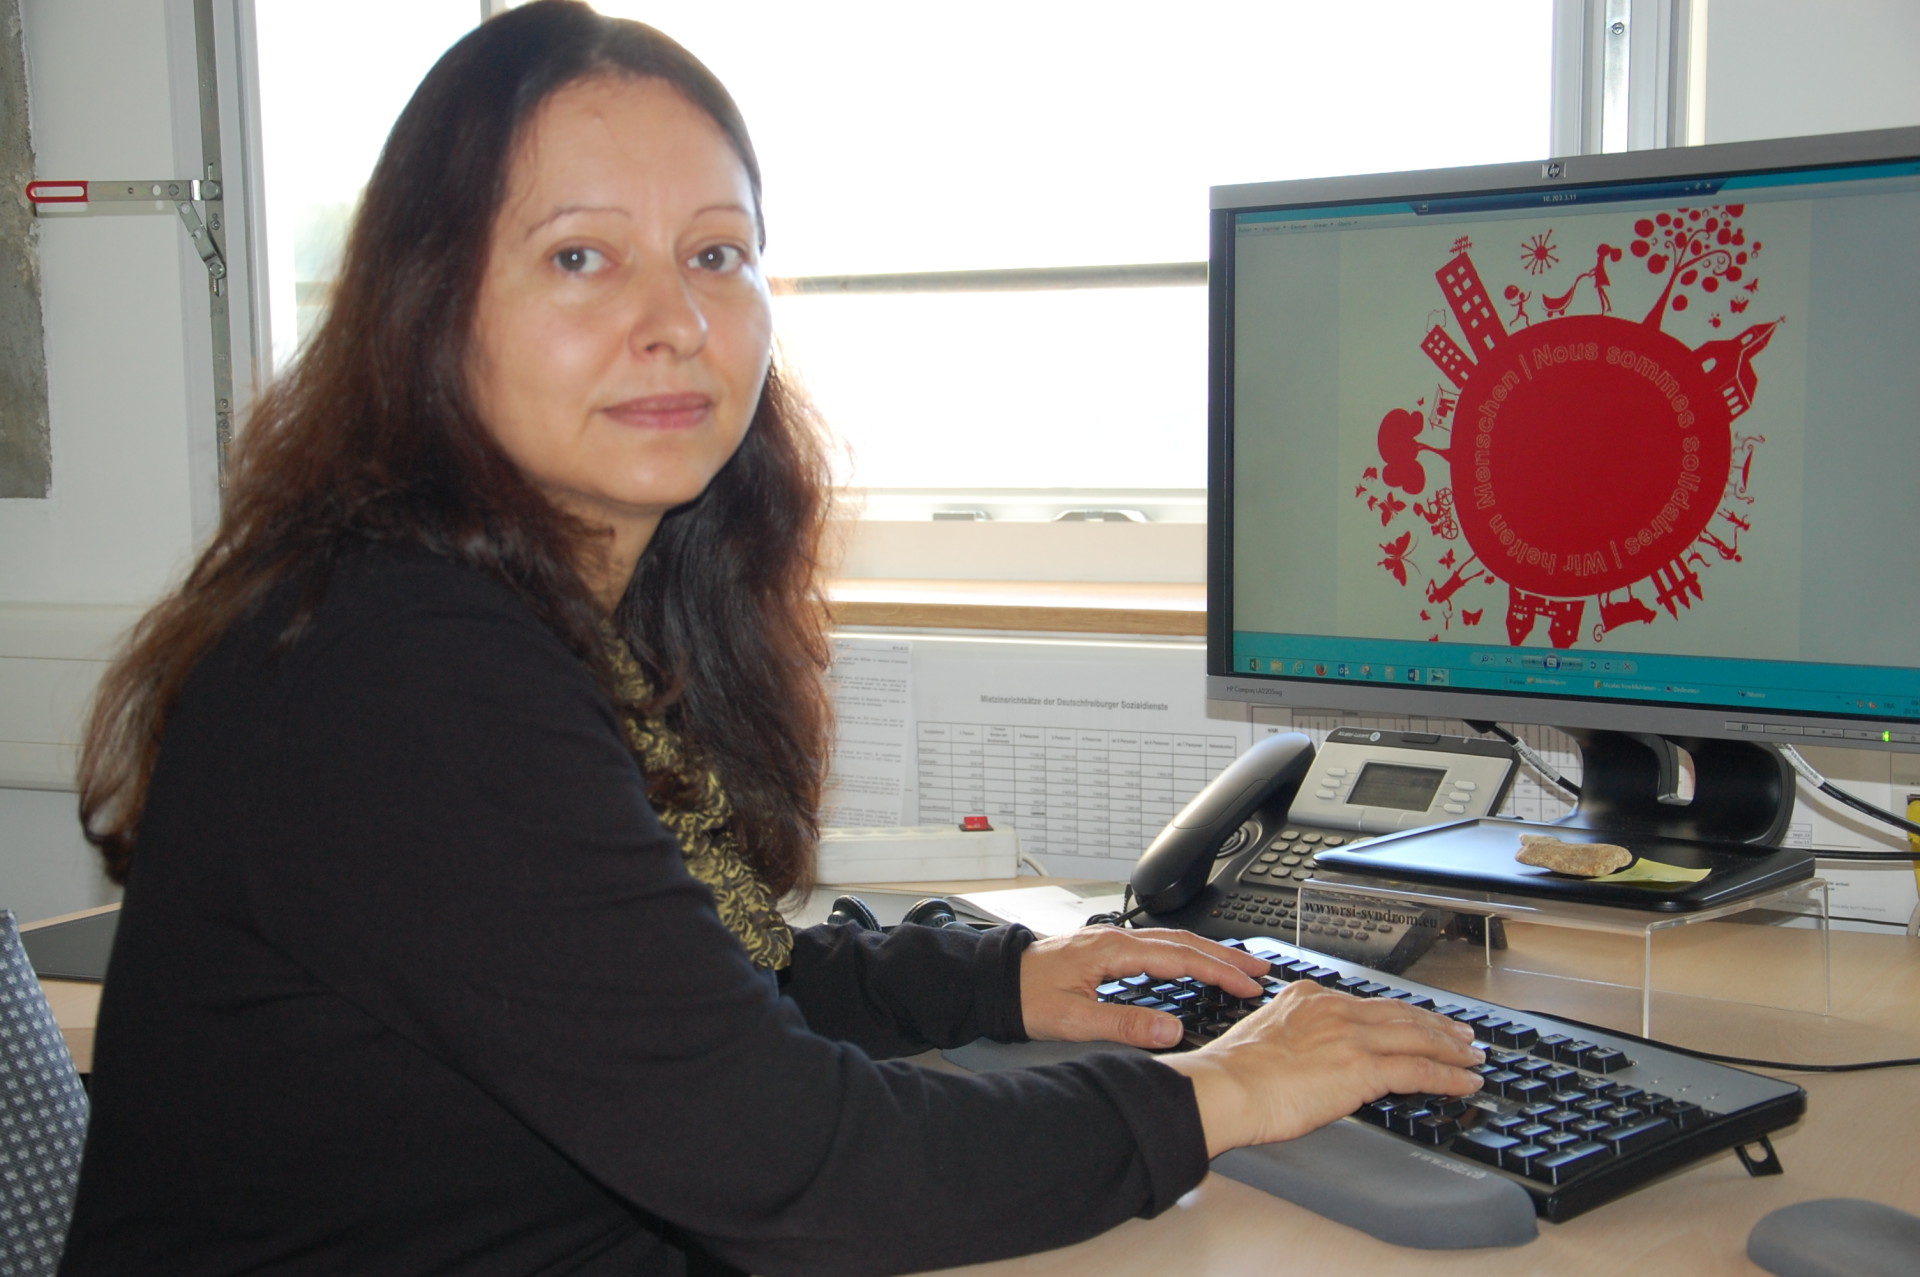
934, 912
852, 910
931, 912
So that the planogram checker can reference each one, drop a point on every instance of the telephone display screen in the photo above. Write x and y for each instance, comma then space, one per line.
1397, 786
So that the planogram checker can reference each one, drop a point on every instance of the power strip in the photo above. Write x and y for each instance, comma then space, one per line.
917, 853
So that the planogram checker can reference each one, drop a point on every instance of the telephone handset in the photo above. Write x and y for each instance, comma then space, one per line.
1281, 802
1220, 821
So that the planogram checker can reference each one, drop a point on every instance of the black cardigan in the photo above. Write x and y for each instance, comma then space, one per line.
410, 979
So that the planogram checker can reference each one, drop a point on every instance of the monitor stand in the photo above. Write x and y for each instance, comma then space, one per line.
1742, 793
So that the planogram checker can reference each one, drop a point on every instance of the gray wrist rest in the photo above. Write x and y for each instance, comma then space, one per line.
1356, 1175
1837, 1237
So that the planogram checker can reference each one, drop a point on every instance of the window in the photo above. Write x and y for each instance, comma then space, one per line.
980, 142
320, 136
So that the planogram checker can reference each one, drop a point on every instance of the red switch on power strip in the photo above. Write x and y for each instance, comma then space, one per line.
976, 825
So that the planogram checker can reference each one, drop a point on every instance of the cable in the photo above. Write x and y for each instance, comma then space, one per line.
1856, 1067
1819, 782
1128, 911
1526, 752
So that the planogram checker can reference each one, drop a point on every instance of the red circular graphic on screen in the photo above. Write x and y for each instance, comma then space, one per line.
1587, 452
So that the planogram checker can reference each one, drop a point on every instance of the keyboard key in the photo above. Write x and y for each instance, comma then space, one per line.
1380, 1112
1521, 1159
1607, 1059
1402, 1121
1639, 1135
1558, 1168
1517, 1034
1682, 1114
1497, 1081
1483, 1146
1575, 1053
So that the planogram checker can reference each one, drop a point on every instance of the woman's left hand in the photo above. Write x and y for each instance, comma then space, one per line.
1059, 974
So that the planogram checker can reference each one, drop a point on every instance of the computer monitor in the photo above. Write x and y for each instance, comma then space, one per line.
1625, 444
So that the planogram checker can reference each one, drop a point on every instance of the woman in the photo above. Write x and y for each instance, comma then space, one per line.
455, 790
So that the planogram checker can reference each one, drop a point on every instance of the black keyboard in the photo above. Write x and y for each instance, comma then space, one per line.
1576, 1116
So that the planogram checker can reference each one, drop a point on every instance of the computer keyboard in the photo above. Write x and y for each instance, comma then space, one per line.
1575, 1116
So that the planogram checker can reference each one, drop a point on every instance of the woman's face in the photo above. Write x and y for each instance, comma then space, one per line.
623, 328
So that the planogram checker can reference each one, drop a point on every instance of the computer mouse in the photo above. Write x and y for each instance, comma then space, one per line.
1837, 1237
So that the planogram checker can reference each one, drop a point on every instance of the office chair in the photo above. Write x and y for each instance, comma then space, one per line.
43, 1117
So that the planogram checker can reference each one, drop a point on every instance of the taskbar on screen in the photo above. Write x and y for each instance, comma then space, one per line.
1782, 687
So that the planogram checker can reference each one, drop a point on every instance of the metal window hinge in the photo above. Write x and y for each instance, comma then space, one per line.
180, 192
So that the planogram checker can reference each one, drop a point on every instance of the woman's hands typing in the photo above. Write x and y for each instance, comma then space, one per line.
1315, 1054
1310, 1056
1059, 976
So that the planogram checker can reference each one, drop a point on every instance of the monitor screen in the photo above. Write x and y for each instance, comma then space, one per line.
1621, 442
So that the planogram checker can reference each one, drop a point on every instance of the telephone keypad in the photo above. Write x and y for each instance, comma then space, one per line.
1264, 899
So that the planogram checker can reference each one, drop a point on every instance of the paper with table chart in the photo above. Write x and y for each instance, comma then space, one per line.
1086, 749
871, 682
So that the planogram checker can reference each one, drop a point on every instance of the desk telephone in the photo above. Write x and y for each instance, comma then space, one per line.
1280, 803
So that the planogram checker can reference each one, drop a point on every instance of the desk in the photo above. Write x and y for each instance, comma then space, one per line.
75, 1003
1860, 1137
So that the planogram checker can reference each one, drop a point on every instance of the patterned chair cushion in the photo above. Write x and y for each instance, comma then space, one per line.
43, 1118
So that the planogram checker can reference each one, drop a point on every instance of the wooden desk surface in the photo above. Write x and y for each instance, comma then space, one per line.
1860, 1137
75, 1003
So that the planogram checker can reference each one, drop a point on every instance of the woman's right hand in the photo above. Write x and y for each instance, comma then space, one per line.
1313, 1055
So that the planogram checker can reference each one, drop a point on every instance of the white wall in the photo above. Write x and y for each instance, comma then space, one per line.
122, 291
118, 523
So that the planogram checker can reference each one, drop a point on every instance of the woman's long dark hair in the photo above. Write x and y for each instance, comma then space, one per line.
373, 436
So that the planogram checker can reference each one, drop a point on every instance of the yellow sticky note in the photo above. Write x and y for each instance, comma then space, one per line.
1654, 873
